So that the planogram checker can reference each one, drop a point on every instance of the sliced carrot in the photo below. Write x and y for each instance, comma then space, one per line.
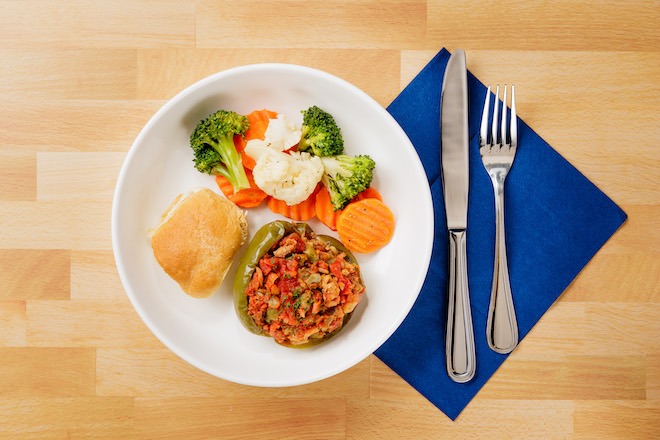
246, 198
248, 162
249, 198
301, 212
365, 225
240, 142
259, 120
324, 210
225, 186
369, 193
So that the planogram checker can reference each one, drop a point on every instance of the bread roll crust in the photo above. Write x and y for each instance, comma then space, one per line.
197, 239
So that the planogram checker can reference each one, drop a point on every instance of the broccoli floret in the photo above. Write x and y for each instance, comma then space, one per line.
212, 141
320, 133
346, 176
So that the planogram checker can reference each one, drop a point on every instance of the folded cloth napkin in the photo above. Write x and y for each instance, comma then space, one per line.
556, 220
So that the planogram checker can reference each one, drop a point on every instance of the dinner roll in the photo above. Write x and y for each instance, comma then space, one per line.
197, 239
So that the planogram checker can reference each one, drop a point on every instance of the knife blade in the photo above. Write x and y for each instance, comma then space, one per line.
459, 345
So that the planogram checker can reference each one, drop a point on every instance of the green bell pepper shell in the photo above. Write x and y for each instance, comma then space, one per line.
265, 238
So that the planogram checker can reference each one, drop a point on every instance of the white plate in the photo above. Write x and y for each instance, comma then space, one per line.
205, 332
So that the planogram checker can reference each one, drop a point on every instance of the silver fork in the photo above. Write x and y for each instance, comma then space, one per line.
497, 156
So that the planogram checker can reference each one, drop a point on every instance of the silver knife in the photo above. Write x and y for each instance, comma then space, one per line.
460, 353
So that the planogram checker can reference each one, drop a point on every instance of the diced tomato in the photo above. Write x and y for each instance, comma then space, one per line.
335, 269
287, 284
265, 265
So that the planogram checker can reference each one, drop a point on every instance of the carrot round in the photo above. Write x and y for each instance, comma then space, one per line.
324, 210
365, 225
259, 120
246, 198
369, 193
224, 185
240, 142
301, 212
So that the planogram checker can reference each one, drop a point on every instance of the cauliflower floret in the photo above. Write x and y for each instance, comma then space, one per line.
255, 148
288, 177
280, 135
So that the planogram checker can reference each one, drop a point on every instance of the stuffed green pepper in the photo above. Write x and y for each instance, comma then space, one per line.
295, 286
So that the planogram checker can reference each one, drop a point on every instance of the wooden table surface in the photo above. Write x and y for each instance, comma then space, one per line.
80, 78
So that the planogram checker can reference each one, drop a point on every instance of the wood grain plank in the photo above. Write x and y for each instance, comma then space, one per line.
73, 125
329, 24
77, 176
639, 233
77, 23
622, 329
126, 372
18, 175
560, 332
524, 419
387, 386
557, 378
612, 419
594, 329
413, 61
34, 274
13, 324
86, 324
236, 418
81, 225
130, 372
653, 376
163, 73
566, 25
570, 378
67, 417
601, 280
94, 276
419, 419
47, 372
68, 74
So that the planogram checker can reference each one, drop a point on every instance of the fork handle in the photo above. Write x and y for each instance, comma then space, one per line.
459, 345
502, 326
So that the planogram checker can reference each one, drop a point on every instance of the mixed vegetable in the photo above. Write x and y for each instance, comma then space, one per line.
300, 172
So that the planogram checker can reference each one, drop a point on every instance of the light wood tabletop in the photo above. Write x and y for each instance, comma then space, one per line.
80, 78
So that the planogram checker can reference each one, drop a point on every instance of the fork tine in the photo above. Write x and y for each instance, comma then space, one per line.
484, 119
495, 117
514, 119
503, 128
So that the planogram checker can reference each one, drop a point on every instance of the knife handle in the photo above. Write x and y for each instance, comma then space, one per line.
461, 359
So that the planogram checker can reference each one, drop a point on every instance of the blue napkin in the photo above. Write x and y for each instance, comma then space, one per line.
556, 220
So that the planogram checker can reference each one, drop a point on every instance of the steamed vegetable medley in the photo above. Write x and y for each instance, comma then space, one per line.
300, 172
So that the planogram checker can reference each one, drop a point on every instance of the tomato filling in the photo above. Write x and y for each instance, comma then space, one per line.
302, 289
